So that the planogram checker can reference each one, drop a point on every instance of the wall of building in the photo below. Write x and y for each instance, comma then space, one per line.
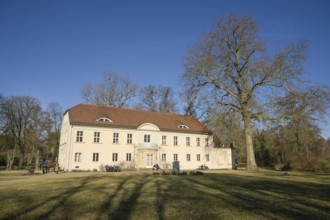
218, 158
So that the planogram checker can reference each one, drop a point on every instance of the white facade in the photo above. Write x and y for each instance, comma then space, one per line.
86, 147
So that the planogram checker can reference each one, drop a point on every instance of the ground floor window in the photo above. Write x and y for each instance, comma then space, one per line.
77, 157
207, 157
95, 157
198, 157
115, 157
163, 157
128, 157
175, 157
188, 157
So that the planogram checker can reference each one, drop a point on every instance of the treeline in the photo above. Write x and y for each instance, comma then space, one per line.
294, 144
28, 133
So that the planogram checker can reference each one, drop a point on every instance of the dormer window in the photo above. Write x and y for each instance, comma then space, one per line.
104, 120
183, 126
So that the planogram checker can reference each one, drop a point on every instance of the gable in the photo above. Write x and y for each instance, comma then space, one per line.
148, 127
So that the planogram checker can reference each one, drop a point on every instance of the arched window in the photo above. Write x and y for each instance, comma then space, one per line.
183, 126
104, 120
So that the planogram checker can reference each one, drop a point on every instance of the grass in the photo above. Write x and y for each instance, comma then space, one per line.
214, 195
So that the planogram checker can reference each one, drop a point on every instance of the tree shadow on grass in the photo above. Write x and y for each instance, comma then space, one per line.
60, 200
269, 198
106, 206
129, 200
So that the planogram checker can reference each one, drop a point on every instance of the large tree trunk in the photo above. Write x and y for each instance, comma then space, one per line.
36, 163
9, 160
251, 165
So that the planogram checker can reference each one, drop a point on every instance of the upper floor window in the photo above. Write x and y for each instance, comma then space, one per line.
104, 120
175, 141
198, 142
129, 138
115, 138
79, 136
187, 141
96, 137
163, 140
146, 138
183, 126
206, 142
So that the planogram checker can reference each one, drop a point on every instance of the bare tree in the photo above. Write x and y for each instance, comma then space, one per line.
232, 65
167, 101
17, 113
307, 106
195, 103
53, 118
115, 91
157, 99
149, 98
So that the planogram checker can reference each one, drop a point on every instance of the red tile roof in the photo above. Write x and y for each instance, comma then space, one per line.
84, 114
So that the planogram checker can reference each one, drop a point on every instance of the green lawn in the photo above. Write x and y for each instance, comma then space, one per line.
214, 195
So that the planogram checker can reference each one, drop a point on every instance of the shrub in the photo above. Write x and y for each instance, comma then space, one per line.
196, 172
311, 164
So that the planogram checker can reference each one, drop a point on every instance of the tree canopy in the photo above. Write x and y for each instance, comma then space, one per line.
233, 66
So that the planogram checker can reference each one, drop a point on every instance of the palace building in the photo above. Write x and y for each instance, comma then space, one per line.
94, 136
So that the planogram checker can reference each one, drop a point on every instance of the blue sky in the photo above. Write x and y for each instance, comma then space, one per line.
50, 49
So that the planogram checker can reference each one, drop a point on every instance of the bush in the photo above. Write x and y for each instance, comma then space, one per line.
196, 172
311, 164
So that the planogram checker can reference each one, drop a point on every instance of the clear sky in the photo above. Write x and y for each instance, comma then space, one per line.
50, 49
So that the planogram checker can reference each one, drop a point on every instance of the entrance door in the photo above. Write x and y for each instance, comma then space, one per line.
149, 160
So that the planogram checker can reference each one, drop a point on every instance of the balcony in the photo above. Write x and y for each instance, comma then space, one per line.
151, 146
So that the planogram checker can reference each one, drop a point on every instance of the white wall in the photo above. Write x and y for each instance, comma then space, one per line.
219, 158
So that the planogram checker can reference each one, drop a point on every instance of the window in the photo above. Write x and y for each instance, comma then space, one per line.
163, 157
206, 142
183, 126
207, 157
95, 157
96, 137
115, 157
115, 138
175, 157
198, 142
128, 157
129, 138
198, 157
163, 140
188, 157
104, 120
146, 138
77, 157
187, 141
175, 141
79, 136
